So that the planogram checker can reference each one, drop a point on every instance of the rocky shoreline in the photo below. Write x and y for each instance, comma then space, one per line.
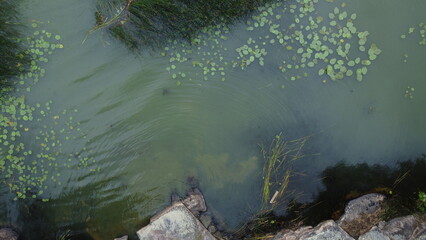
186, 219
362, 220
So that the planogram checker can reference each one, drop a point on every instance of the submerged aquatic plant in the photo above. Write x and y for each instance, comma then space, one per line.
277, 168
12, 61
277, 171
150, 22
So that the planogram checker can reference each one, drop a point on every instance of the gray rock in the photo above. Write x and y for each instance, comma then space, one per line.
212, 229
8, 234
206, 220
324, 231
361, 214
195, 201
175, 198
420, 232
175, 222
401, 228
292, 235
125, 237
374, 234
327, 230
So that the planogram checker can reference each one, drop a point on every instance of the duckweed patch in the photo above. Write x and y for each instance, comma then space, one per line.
27, 167
305, 45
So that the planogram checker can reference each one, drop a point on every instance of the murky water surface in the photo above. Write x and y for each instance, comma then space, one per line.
147, 135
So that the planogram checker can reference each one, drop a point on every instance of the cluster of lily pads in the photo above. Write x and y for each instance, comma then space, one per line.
249, 53
330, 46
420, 29
26, 166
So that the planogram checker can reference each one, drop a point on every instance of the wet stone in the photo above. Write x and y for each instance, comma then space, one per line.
408, 227
175, 222
374, 234
206, 220
8, 234
362, 214
420, 232
195, 201
323, 231
212, 229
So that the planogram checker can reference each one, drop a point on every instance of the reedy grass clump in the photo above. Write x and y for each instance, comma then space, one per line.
152, 22
277, 173
12, 61
277, 169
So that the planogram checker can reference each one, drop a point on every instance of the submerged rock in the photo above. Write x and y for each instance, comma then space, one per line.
212, 229
195, 201
324, 231
8, 234
175, 222
206, 220
362, 214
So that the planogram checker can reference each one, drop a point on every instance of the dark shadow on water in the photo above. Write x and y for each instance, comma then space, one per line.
344, 182
86, 213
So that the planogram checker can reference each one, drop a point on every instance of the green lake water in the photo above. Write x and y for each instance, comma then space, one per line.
146, 132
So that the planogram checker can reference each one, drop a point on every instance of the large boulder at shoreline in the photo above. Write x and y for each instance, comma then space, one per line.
324, 231
8, 234
175, 222
362, 214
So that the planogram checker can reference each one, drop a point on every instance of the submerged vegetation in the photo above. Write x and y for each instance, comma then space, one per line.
277, 169
149, 22
277, 173
12, 61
